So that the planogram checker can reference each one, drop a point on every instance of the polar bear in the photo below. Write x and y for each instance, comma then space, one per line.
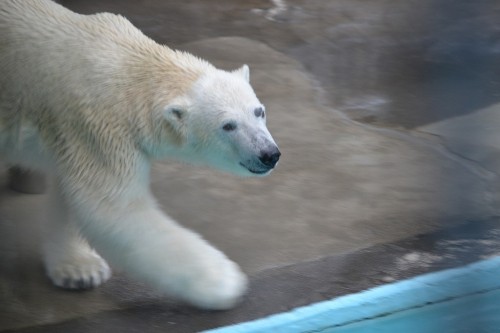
93, 101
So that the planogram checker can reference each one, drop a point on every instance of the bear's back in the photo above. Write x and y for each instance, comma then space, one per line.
49, 52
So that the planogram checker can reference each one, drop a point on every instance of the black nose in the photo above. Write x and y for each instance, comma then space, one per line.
270, 158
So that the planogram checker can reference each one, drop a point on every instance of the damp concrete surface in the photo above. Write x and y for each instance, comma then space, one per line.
387, 117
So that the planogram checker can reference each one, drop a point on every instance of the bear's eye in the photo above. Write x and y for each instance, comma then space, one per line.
228, 127
259, 112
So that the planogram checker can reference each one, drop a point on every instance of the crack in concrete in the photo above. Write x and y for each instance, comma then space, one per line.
488, 173
469, 164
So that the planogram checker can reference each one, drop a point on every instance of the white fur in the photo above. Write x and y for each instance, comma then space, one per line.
93, 101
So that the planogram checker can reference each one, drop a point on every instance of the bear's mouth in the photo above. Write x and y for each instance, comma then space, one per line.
255, 171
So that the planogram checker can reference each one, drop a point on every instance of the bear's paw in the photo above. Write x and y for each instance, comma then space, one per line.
220, 287
85, 271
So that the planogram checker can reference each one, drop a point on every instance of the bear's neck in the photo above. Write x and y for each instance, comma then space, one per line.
159, 75
163, 74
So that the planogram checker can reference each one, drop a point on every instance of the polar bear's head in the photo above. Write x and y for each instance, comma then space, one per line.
223, 125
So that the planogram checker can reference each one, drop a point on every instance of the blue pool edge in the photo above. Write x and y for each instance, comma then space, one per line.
425, 289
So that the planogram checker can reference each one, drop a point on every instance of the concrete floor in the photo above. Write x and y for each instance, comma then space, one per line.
343, 189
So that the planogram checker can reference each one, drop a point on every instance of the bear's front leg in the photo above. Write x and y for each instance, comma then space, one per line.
151, 247
69, 260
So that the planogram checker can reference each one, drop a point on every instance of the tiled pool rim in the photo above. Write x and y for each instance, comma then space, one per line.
479, 277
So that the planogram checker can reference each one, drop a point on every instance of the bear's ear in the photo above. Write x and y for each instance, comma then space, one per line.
244, 72
176, 115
